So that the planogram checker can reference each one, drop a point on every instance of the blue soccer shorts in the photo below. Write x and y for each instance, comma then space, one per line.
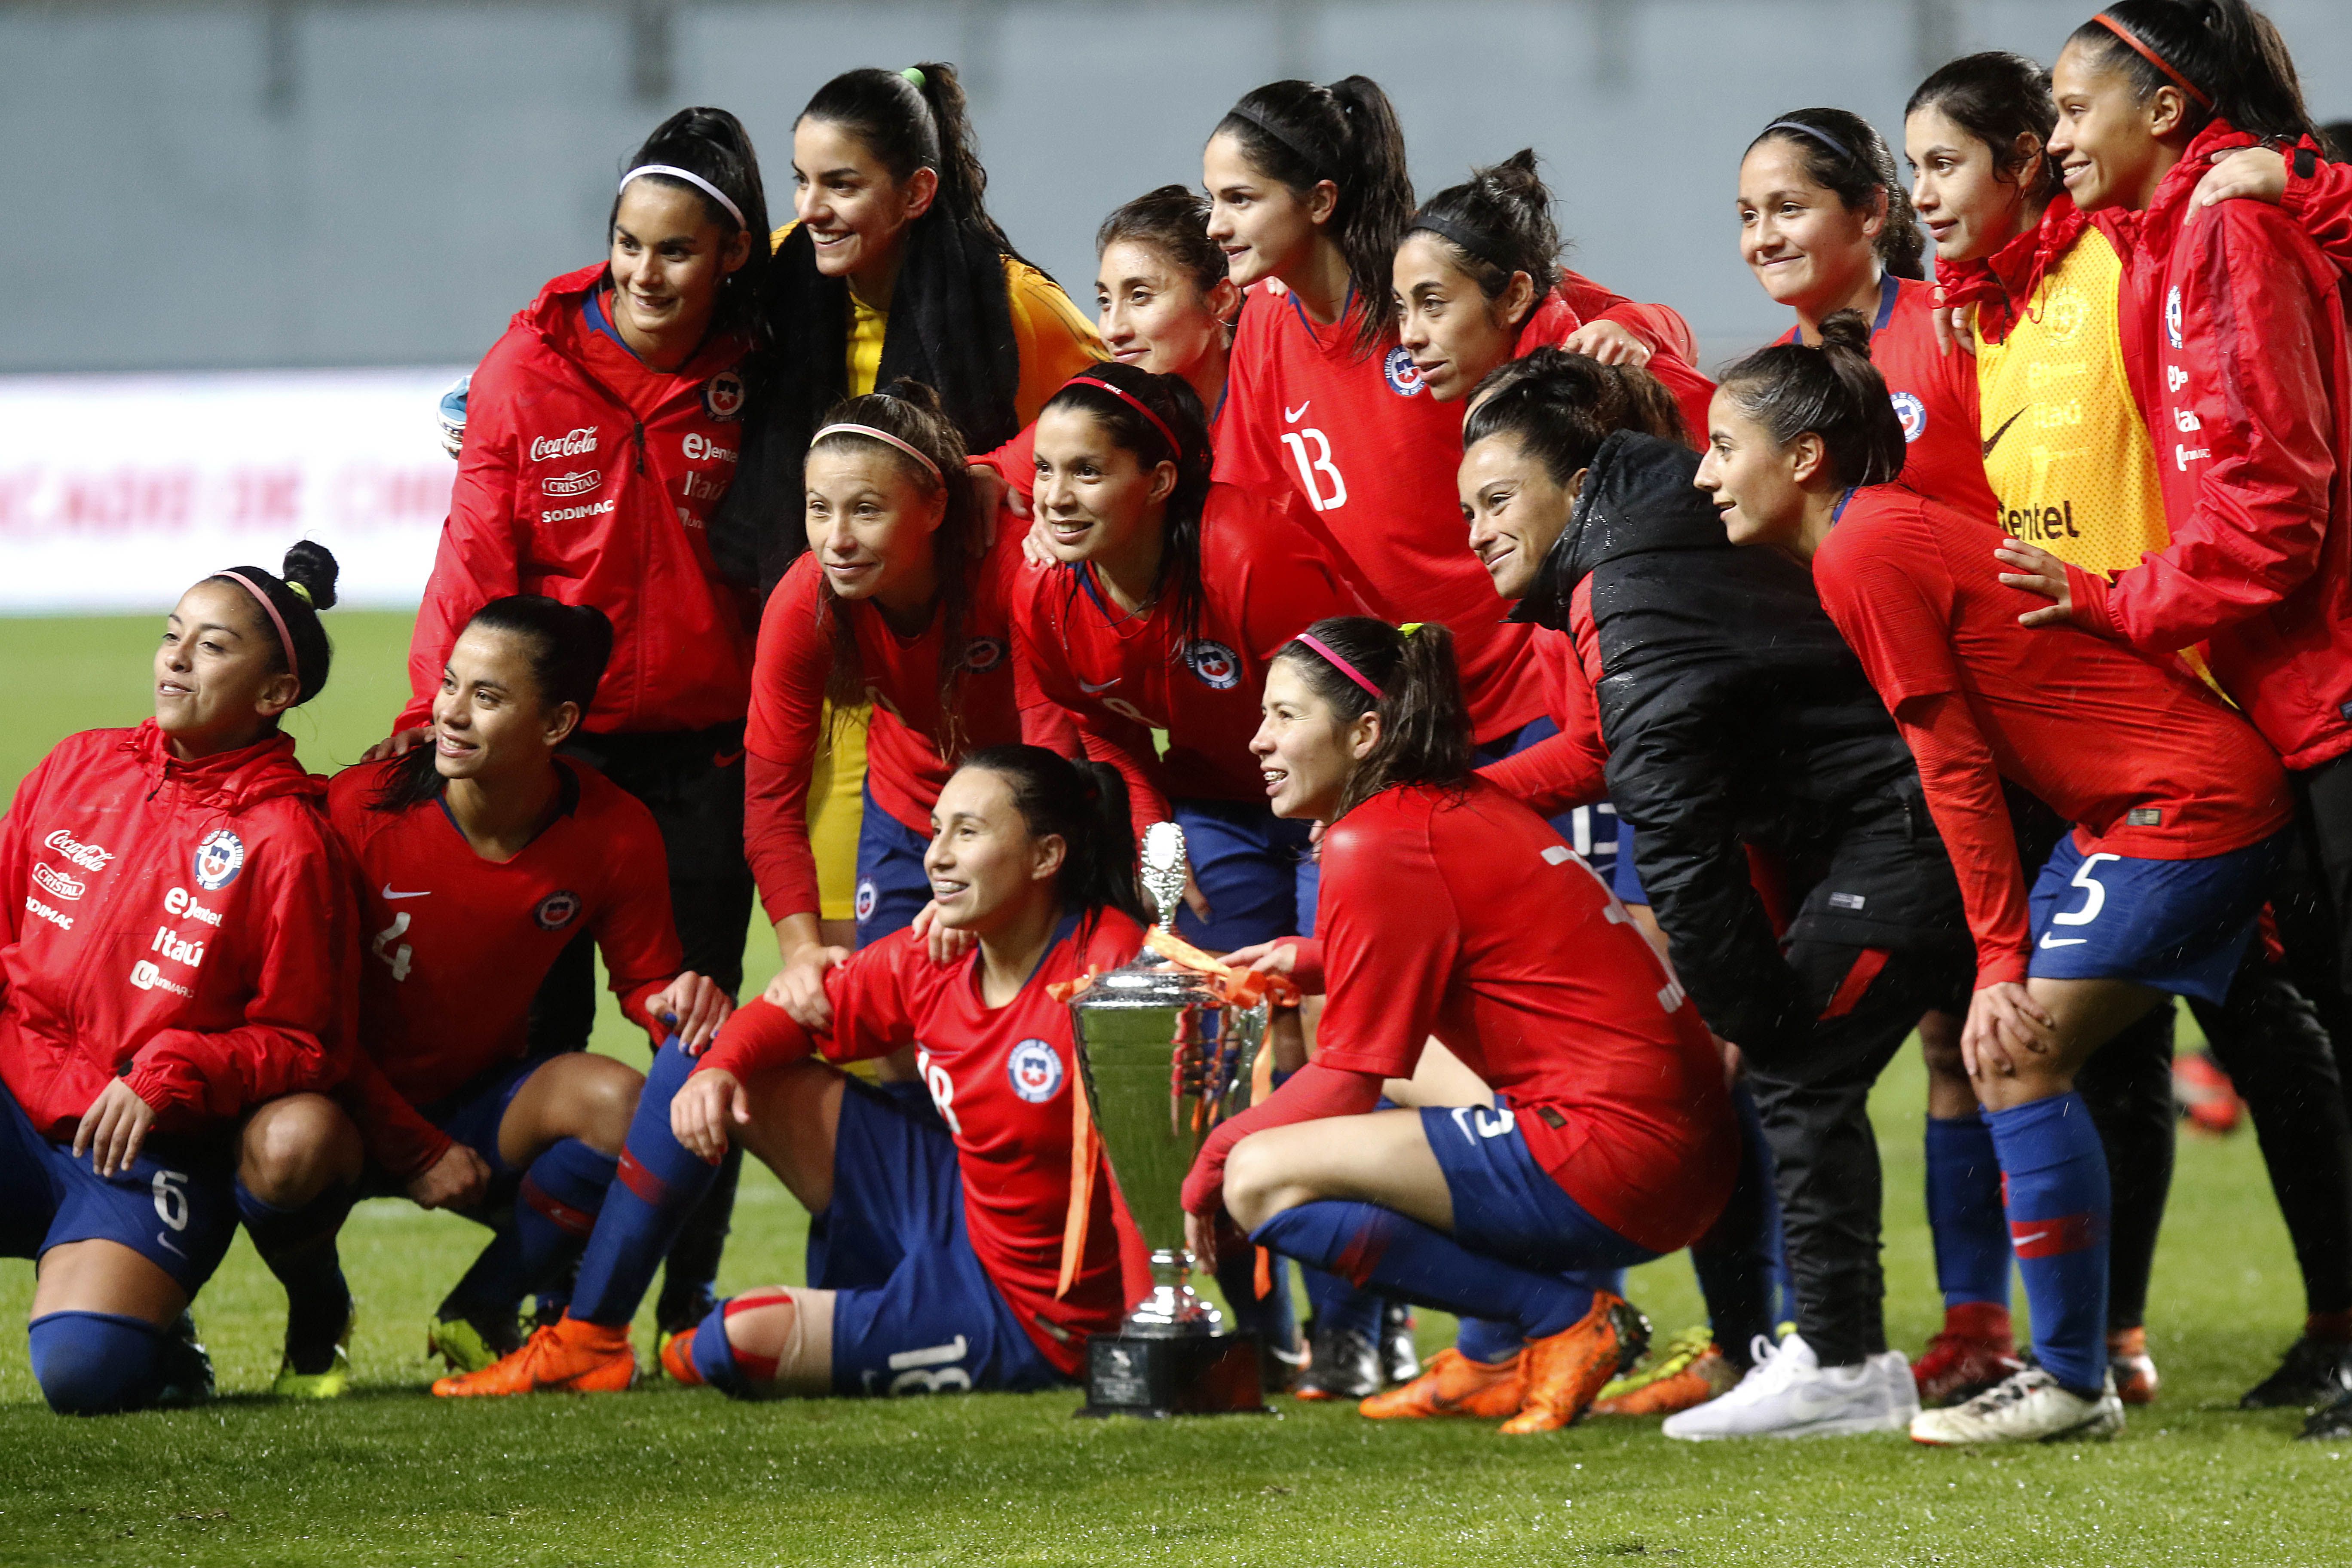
175, 1206
914, 1311
1507, 1207
2181, 926
1252, 866
892, 887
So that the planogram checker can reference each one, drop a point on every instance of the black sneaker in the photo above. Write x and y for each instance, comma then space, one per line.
2330, 1420
2312, 1373
1400, 1356
1341, 1364
187, 1369
1280, 1369
676, 1316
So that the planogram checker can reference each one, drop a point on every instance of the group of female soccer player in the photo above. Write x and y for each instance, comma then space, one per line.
1624, 763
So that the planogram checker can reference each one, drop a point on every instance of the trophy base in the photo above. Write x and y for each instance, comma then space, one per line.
1202, 1375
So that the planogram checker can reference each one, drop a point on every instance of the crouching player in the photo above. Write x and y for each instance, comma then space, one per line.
176, 945
479, 856
1614, 1140
936, 1252
2177, 804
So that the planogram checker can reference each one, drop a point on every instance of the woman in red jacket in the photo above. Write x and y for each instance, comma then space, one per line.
2179, 810
893, 604
177, 945
603, 430
1448, 909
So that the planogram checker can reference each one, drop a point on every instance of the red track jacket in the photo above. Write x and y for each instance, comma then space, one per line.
185, 925
589, 477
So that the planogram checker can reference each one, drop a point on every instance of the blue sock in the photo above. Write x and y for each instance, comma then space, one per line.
299, 1245
1964, 1211
1339, 1305
660, 1182
555, 1213
1487, 1342
1370, 1246
96, 1363
1273, 1317
2056, 1174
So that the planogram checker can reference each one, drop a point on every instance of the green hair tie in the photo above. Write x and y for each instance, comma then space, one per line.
1409, 628
914, 75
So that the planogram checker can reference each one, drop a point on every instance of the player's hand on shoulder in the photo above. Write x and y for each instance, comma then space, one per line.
799, 986
2036, 570
706, 1110
1608, 342
1033, 547
397, 743
114, 1128
2249, 173
455, 1180
946, 944
693, 1006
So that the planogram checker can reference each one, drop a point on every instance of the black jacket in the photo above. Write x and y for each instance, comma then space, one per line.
1734, 714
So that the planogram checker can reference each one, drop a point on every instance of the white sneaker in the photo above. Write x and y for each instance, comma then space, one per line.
2028, 1408
1788, 1394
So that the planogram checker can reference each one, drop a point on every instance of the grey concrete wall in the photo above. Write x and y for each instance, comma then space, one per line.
290, 183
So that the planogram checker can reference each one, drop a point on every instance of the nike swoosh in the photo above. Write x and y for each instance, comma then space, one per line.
2048, 940
1292, 415
726, 758
1090, 689
2027, 1239
1994, 439
167, 1241
389, 895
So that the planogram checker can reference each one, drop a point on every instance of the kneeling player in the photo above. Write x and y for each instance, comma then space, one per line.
176, 944
1449, 909
2178, 806
480, 856
936, 1252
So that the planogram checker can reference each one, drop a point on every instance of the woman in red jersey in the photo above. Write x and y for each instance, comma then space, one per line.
1825, 227
938, 1242
896, 604
176, 946
480, 856
1448, 909
1478, 282
2177, 804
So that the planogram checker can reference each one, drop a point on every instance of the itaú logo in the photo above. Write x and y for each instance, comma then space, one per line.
574, 444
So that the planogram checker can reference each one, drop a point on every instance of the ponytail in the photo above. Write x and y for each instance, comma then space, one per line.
1347, 133
287, 604
1998, 97
712, 145
1085, 803
1832, 391
2225, 57
1164, 423
1497, 223
1425, 736
1560, 408
1845, 154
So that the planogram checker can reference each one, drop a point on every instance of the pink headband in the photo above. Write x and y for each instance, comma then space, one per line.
1174, 446
293, 665
886, 439
1341, 664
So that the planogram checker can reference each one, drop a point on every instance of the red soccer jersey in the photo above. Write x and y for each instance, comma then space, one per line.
1372, 458
457, 944
2141, 757
907, 742
1461, 915
1263, 582
1003, 1081
1935, 394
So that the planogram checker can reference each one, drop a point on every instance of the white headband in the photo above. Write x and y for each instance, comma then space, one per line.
884, 435
691, 178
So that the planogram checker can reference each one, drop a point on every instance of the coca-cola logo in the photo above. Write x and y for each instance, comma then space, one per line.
573, 444
88, 857
578, 482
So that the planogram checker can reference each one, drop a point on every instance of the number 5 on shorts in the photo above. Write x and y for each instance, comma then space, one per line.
2095, 892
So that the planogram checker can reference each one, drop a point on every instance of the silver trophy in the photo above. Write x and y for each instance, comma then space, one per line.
1164, 1059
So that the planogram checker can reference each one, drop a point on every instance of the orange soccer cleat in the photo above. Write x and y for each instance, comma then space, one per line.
1453, 1385
568, 1355
2206, 1096
678, 1356
2135, 1368
1564, 1370
1706, 1375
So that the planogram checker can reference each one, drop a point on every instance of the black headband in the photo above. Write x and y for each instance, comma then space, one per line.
1313, 164
1817, 133
1482, 246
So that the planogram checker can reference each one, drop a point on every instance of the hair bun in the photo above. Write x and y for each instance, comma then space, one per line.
311, 566
1847, 329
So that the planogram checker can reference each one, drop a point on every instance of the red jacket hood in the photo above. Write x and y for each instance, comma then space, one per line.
227, 781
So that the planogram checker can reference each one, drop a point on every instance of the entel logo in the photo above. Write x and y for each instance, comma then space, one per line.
700, 446
88, 857
573, 444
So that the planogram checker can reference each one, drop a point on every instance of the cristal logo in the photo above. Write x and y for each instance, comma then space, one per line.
56, 883
577, 443
88, 857
579, 482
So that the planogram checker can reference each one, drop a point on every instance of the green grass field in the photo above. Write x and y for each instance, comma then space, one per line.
391, 1476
